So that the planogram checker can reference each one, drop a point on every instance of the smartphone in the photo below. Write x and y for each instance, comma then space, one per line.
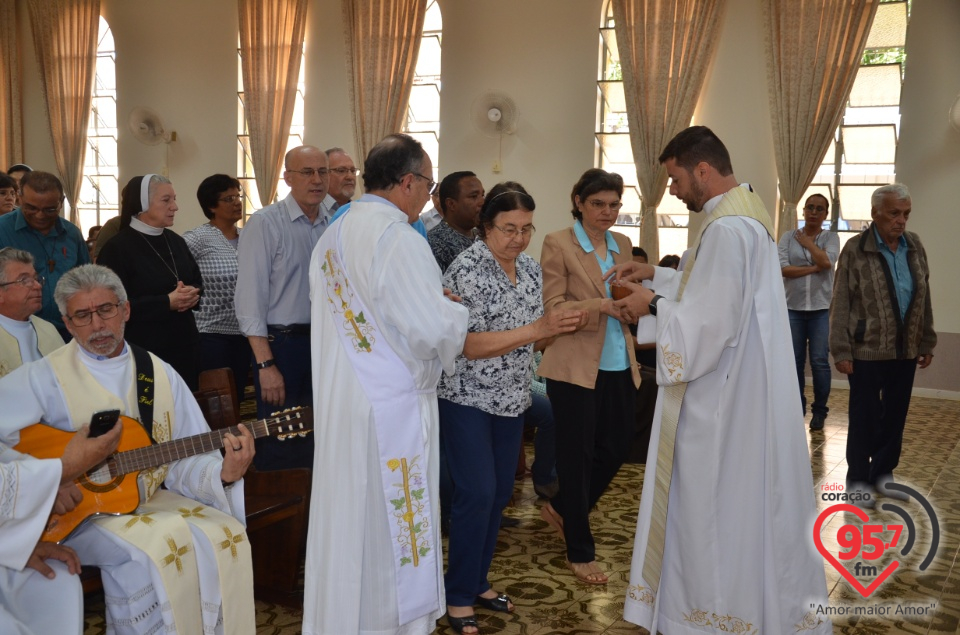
102, 422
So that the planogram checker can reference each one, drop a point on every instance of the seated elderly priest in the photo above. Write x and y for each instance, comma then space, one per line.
181, 561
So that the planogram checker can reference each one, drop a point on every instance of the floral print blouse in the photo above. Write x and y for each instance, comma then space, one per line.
499, 385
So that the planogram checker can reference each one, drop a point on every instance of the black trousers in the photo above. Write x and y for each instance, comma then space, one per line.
879, 400
594, 430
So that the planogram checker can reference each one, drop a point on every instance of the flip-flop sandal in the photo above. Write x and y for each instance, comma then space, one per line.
583, 576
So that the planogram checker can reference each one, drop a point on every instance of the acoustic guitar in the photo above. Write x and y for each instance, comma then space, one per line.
110, 488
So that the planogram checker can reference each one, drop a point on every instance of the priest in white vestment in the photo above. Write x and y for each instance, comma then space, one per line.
181, 562
24, 337
36, 575
733, 549
382, 333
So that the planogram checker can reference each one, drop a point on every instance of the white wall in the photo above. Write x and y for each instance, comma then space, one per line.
178, 57
543, 53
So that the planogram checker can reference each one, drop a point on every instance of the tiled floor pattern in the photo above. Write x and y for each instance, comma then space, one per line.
529, 564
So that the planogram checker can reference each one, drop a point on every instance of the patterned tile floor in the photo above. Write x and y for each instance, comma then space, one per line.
529, 564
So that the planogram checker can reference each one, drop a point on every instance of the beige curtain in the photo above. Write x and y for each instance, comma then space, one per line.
271, 46
11, 119
65, 39
383, 40
665, 47
813, 54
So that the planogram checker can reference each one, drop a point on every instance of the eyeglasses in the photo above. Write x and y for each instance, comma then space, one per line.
233, 198
345, 171
815, 208
25, 281
105, 311
597, 205
513, 232
27, 207
431, 184
309, 172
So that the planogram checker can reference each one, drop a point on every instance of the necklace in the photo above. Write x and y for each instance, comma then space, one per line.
174, 271
51, 262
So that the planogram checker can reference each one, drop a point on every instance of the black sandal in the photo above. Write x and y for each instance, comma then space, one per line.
500, 603
460, 623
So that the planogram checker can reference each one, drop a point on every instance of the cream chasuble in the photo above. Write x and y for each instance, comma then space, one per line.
48, 340
192, 547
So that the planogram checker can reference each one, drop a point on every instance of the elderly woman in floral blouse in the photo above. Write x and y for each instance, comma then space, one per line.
482, 404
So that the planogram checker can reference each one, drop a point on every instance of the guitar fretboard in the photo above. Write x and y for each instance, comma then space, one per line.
167, 452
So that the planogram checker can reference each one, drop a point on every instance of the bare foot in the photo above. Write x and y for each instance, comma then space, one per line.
550, 516
588, 572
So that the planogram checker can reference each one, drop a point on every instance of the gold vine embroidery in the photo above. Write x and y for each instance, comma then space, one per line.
339, 295
408, 511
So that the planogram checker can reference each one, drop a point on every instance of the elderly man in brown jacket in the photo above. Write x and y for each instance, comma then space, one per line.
881, 330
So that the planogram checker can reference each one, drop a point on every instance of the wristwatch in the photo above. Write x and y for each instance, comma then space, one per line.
653, 304
266, 364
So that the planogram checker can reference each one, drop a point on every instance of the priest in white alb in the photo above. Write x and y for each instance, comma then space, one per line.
181, 562
36, 575
724, 533
383, 331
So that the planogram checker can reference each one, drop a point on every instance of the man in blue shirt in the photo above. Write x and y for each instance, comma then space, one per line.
38, 227
881, 331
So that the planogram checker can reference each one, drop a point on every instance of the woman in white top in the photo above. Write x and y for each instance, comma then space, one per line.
807, 258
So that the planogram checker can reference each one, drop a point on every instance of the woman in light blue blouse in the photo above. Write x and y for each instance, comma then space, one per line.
482, 404
214, 247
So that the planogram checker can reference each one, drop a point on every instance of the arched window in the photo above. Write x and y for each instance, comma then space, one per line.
861, 157
99, 190
245, 172
613, 152
423, 110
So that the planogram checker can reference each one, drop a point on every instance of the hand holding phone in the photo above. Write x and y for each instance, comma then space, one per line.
102, 422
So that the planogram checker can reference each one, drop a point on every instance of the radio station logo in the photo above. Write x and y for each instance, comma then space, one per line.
869, 540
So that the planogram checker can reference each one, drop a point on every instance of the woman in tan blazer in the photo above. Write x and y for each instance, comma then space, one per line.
592, 375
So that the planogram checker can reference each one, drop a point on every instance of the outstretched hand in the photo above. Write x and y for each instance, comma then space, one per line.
630, 271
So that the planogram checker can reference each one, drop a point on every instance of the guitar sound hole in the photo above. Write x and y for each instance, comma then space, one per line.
99, 479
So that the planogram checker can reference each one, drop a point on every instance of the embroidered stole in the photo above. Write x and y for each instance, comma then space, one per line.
161, 526
48, 340
738, 201
393, 395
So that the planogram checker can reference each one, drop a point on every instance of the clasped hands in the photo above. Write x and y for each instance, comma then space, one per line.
629, 275
184, 297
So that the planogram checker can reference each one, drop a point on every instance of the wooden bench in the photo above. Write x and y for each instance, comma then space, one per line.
277, 505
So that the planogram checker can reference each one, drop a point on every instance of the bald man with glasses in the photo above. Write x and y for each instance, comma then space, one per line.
273, 297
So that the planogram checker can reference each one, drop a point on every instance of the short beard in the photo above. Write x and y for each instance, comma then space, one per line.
696, 193
106, 348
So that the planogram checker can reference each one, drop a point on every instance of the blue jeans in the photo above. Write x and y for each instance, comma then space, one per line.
482, 452
812, 327
540, 417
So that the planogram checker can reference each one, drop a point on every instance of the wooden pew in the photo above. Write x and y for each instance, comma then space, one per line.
277, 506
